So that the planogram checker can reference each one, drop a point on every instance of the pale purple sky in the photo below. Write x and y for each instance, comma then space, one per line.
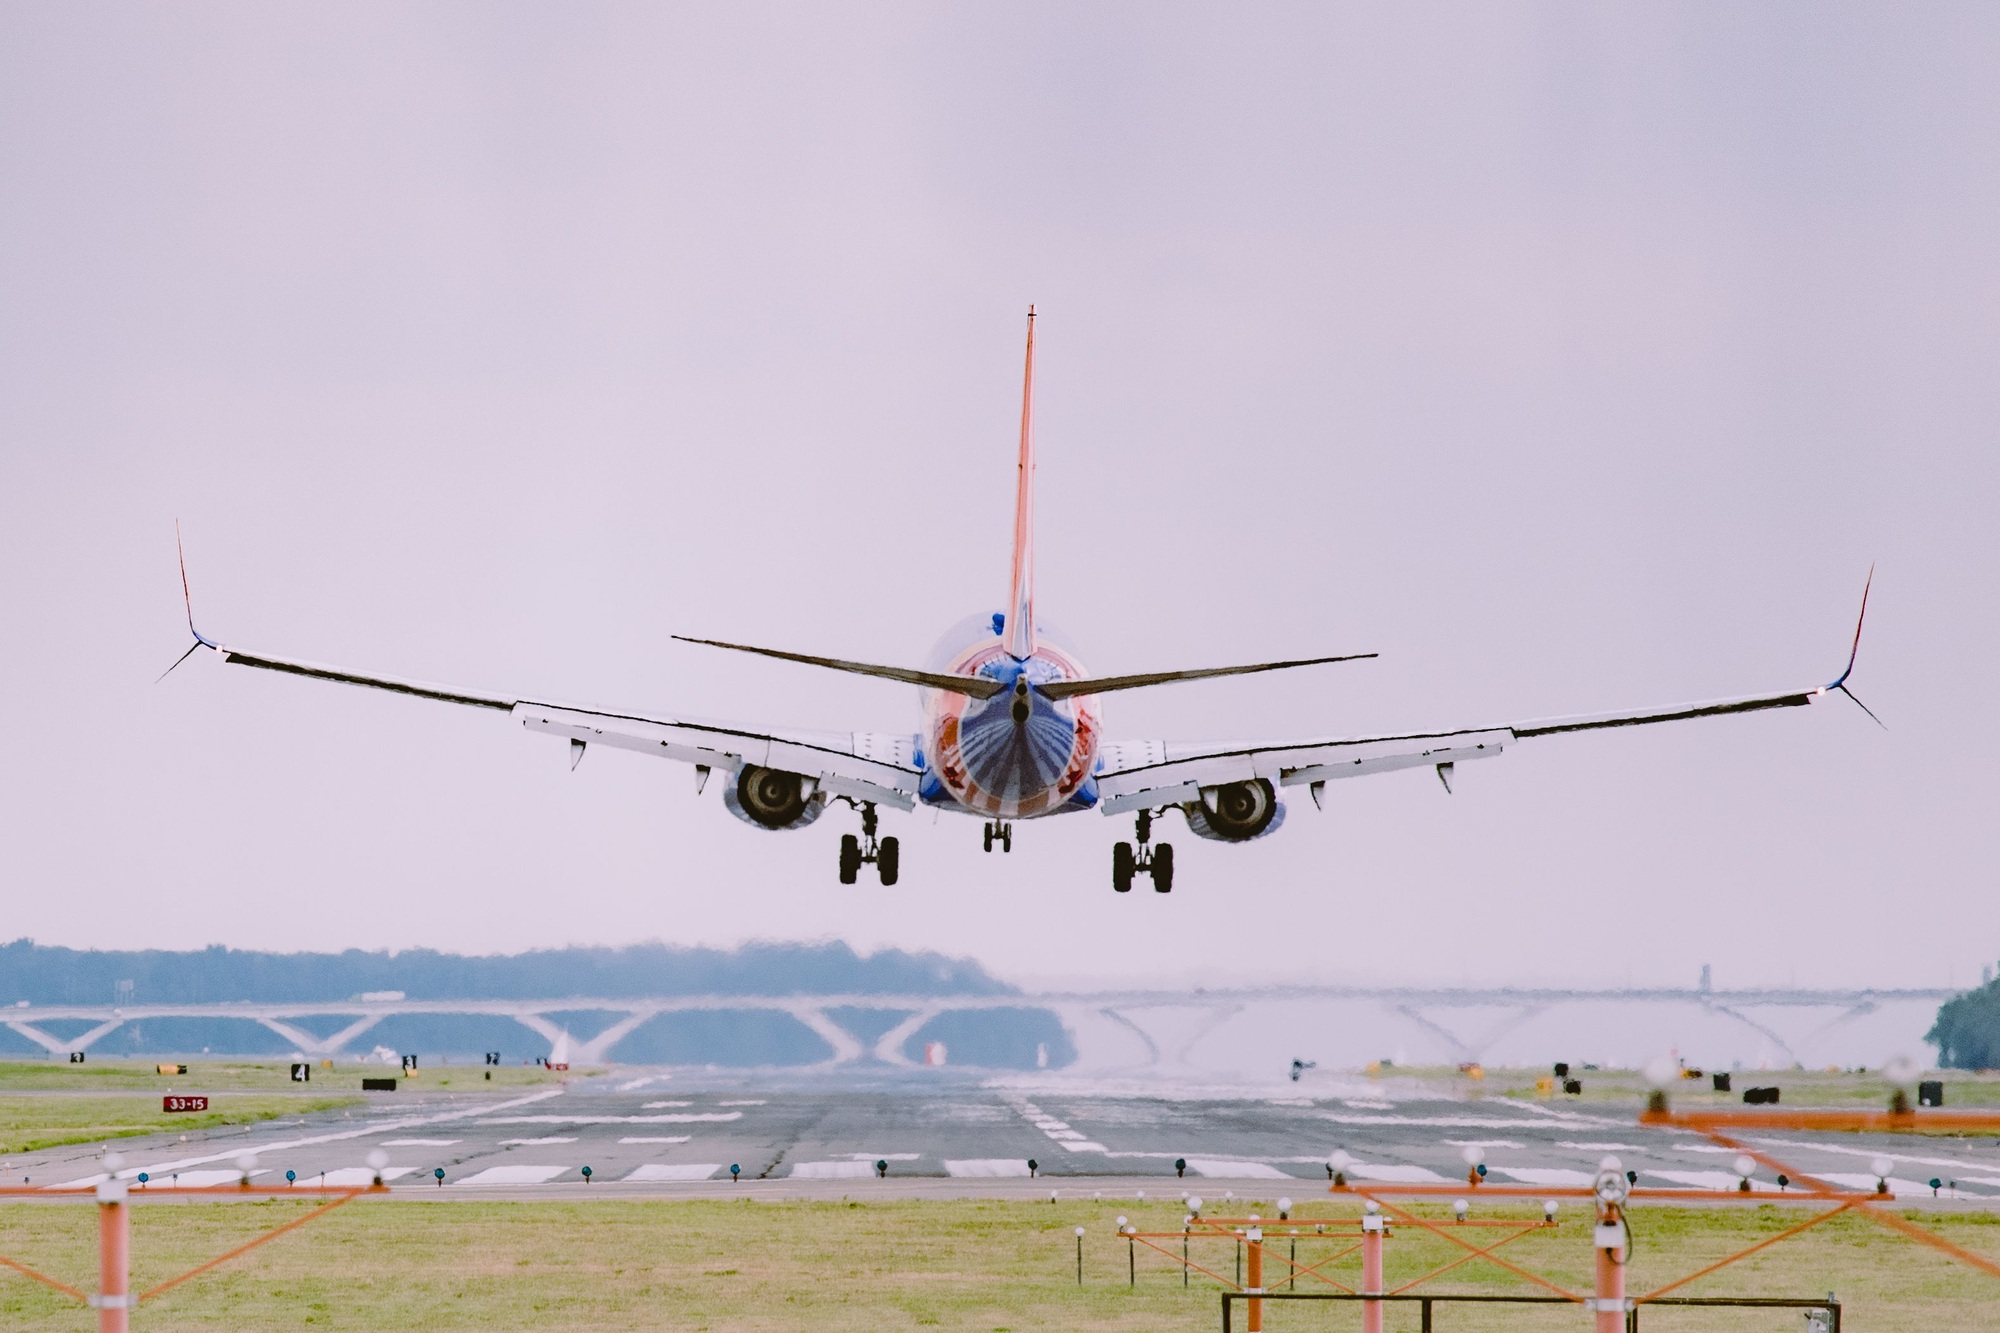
1572, 357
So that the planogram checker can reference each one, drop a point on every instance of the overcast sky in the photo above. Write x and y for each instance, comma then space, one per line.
1572, 357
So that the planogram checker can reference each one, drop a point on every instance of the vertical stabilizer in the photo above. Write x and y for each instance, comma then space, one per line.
1020, 626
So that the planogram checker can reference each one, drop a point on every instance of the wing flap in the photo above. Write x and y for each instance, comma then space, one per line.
835, 760
1141, 774
864, 765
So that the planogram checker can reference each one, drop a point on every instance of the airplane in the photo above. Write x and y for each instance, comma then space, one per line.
1010, 730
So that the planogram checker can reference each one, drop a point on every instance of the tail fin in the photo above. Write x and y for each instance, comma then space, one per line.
1020, 624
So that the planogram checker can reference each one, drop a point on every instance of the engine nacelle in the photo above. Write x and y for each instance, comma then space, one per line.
770, 798
1236, 811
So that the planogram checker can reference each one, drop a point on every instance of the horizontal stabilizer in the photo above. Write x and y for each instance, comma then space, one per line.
1065, 689
977, 687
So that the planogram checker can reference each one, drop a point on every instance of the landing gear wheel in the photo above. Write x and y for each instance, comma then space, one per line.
1122, 867
888, 858
850, 858
1006, 837
1163, 868
989, 837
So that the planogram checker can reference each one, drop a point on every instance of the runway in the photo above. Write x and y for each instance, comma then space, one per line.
661, 1134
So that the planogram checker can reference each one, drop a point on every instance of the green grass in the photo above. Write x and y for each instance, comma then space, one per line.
1963, 1089
44, 1104
987, 1266
51, 1119
222, 1074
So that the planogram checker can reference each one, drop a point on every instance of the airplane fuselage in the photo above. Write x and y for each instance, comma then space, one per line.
1019, 754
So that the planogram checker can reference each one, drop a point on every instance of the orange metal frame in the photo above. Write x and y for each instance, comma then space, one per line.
335, 1198
1710, 1124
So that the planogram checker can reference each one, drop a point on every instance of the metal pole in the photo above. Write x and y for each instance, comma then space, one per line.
1131, 1262
1079, 1256
114, 1250
1292, 1275
1184, 1259
1609, 1241
1427, 1314
1255, 1323
1371, 1271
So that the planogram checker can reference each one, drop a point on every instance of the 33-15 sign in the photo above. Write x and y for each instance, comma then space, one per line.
183, 1103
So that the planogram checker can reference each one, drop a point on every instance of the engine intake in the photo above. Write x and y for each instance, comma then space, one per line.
1236, 811
773, 799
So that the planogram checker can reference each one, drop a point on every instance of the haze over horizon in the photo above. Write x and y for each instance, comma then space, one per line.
1570, 358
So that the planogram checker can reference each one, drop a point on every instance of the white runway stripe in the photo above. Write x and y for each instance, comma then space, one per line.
1393, 1173
513, 1175
1897, 1185
613, 1119
353, 1177
1718, 1180
986, 1166
1215, 1167
675, 1171
1545, 1175
832, 1170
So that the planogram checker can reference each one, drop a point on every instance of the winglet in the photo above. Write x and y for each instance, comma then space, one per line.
1020, 622
1855, 652
187, 600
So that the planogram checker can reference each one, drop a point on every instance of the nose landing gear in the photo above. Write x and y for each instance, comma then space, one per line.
1001, 830
1145, 860
885, 855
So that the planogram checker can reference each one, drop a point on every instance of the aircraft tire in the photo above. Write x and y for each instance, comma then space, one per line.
1122, 867
1163, 868
1007, 838
850, 858
989, 837
888, 860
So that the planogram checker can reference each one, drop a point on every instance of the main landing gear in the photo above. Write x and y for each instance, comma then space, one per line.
885, 856
1001, 831
1147, 860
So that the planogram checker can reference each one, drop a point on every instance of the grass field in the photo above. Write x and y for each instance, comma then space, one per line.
383, 1264
227, 1075
1803, 1087
48, 1120
44, 1104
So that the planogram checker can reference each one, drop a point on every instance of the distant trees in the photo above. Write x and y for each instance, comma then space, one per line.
44, 974
1967, 1031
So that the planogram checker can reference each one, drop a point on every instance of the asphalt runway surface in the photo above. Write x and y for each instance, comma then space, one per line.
659, 1134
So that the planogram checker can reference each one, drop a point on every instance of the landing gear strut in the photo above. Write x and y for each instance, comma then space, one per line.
1001, 830
1146, 860
884, 855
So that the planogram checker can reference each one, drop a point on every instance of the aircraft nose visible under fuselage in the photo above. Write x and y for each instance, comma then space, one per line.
1018, 754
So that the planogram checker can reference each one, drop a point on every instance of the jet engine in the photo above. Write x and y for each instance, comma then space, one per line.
772, 799
1236, 811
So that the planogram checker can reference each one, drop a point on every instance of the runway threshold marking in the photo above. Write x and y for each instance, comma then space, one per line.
522, 1174
675, 1171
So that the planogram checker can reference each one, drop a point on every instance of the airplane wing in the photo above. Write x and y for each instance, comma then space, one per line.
868, 766
1147, 775
1150, 774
